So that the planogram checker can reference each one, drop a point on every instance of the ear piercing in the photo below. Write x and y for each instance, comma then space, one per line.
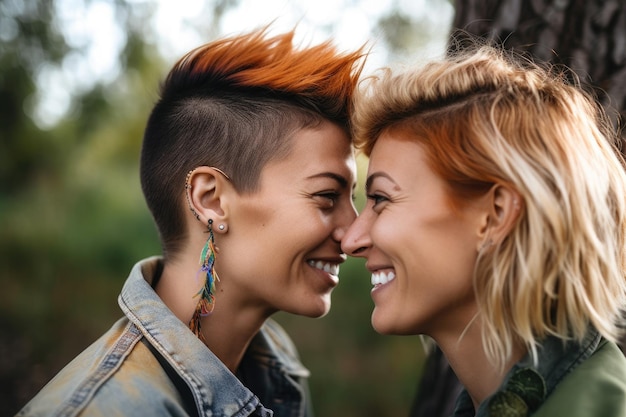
187, 191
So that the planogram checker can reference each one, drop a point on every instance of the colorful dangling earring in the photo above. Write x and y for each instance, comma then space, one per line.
207, 268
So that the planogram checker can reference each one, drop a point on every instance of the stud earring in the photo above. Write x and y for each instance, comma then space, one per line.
222, 227
206, 303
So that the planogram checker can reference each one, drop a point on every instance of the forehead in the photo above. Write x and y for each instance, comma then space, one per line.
396, 149
402, 163
325, 147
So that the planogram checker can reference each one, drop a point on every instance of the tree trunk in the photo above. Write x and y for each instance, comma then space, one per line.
589, 36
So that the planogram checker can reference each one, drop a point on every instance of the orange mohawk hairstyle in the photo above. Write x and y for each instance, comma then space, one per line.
235, 104
317, 77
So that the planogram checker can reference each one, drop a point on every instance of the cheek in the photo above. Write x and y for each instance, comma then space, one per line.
385, 231
432, 250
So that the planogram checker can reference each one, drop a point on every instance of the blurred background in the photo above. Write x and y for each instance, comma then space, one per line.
77, 81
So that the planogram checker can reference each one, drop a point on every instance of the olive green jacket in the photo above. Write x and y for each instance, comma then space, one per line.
597, 387
585, 379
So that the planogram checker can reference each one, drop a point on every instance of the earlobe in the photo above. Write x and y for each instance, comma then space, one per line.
204, 189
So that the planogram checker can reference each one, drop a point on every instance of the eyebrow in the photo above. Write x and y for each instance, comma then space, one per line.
372, 177
343, 182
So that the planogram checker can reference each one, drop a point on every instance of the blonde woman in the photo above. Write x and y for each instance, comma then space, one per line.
495, 223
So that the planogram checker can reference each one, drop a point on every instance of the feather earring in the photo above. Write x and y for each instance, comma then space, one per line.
206, 303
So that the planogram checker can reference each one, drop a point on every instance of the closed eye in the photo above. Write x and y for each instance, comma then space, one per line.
377, 199
327, 198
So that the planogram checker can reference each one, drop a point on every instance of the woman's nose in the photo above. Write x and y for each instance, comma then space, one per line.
356, 240
346, 217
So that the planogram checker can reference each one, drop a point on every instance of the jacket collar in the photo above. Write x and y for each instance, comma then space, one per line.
215, 389
530, 382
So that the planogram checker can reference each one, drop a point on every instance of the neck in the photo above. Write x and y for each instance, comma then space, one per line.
229, 333
228, 330
467, 358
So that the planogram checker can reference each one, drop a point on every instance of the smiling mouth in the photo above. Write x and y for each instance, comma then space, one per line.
382, 278
328, 267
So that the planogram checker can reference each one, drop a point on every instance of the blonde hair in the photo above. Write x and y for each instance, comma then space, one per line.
486, 117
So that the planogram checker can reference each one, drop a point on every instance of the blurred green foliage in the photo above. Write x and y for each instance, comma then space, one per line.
73, 222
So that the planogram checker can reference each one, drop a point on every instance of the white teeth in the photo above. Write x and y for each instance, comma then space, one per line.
382, 278
327, 267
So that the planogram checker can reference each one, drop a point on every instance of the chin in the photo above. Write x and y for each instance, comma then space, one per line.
315, 311
321, 313
318, 312
381, 329
386, 327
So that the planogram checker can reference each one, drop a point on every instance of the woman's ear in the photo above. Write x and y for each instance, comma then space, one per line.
503, 208
205, 192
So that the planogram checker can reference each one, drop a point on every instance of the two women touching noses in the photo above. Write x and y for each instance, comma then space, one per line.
494, 223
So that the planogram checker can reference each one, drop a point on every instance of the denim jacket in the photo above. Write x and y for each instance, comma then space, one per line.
150, 364
574, 380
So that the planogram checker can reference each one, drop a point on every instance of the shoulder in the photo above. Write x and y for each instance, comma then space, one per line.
117, 373
595, 387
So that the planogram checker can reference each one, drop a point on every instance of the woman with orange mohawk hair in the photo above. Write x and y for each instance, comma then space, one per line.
248, 169
496, 225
